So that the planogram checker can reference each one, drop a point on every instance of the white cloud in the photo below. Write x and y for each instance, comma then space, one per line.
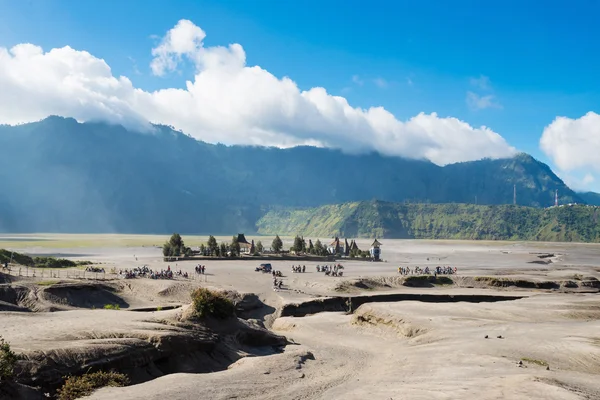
380, 82
588, 179
356, 79
483, 82
478, 102
226, 101
573, 144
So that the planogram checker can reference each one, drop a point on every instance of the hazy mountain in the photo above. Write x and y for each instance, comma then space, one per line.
591, 198
436, 221
58, 175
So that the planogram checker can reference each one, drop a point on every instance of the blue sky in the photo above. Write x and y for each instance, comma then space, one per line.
538, 59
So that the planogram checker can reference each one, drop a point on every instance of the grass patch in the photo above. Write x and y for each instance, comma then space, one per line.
46, 283
443, 280
541, 363
521, 283
427, 280
8, 359
159, 308
112, 307
208, 303
76, 387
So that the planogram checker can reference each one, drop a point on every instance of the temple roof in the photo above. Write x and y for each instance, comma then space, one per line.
376, 243
242, 239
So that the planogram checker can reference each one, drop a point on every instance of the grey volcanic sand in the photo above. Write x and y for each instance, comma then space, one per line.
404, 350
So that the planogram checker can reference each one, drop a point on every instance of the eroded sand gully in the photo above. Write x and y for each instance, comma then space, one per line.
382, 350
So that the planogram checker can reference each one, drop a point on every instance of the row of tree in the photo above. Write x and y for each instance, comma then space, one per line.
175, 247
300, 246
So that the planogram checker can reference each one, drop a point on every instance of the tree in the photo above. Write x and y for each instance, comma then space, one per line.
176, 242
235, 247
175, 247
217, 252
259, 246
223, 250
167, 250
277, 244
320, 250
297, 246
311, 247
202, 249
212, 244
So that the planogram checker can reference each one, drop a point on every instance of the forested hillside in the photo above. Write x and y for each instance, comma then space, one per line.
437, 221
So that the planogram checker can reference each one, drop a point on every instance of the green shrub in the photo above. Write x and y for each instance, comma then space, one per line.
112, 307
81, 386
51, 262
7, 256
8, 359
214, 304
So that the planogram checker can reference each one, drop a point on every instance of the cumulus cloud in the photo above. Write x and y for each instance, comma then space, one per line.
227, 101
573, 144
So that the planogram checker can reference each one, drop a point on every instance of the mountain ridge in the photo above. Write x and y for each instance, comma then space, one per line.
59, 175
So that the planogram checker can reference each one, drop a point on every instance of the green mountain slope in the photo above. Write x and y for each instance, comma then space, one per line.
437, 221
58, 175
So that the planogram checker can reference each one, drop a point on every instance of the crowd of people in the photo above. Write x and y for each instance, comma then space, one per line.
298, 268
94, 269
200, 269
331, 270
277, 283
444, 270
145, 272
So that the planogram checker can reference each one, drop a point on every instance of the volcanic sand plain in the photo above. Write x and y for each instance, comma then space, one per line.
544, 345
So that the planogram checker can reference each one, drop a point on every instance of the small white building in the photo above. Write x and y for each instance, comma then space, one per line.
375, 250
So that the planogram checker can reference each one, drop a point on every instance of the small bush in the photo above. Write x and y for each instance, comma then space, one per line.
8, 359
159, 308
81, 386
541, 363
112, 307
214, 304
